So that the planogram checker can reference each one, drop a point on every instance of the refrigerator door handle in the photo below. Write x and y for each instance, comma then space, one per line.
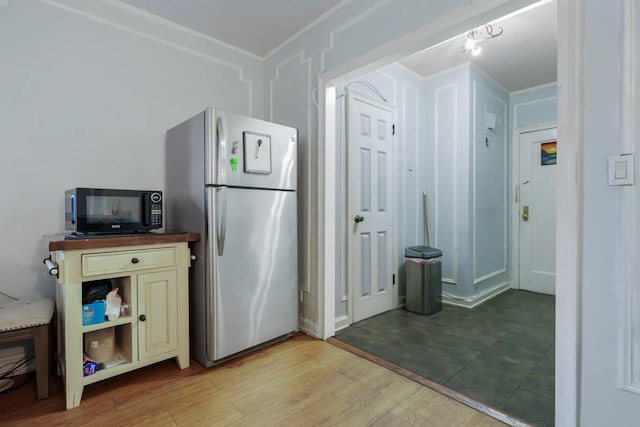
221, 194
211, 272
222, 150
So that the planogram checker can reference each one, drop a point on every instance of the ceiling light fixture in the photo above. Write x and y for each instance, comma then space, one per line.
477, 35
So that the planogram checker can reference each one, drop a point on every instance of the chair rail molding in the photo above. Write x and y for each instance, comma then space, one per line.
133, 21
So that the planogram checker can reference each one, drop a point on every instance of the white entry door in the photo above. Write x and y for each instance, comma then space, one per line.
537, 211
369, 206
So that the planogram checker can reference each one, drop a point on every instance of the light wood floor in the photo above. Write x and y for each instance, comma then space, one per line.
299, 382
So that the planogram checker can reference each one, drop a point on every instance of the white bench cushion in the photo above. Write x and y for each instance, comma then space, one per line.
19, 314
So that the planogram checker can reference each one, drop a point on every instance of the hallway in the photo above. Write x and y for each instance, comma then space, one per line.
500, 353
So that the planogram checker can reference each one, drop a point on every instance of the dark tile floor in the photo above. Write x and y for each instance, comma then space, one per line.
500, 353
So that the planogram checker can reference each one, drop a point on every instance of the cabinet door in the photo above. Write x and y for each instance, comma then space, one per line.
157, 313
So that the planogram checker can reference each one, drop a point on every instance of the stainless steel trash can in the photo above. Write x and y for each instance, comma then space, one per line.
423, 272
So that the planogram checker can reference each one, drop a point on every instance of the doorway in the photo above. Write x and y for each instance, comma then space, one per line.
568, 242
369, 129
535, 205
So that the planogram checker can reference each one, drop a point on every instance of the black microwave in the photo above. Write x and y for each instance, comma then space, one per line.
99, 210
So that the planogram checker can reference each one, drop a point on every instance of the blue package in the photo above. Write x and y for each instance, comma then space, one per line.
93, 313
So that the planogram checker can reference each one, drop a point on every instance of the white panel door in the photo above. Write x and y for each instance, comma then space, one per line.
369, 206
537, 211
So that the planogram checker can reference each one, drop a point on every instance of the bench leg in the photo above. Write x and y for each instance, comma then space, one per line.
41, 341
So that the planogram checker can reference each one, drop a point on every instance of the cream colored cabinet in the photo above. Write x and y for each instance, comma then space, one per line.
157, 314
151, 274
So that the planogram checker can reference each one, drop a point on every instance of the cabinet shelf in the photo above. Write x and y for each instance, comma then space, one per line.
103, 374
123, 320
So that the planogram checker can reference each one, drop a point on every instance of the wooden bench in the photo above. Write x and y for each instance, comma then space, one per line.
22, 320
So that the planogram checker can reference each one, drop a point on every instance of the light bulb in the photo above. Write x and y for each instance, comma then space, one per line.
476, 51
470, 44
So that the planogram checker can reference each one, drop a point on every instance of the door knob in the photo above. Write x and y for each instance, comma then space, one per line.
358, 218
525, 213
142, 317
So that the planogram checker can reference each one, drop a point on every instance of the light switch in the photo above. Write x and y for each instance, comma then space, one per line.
621, 170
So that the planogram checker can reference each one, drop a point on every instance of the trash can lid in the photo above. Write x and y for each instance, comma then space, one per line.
422, 252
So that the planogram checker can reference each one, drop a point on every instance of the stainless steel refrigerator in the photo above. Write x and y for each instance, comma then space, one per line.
233, 180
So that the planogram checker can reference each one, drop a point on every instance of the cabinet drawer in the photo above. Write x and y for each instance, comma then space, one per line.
114, 262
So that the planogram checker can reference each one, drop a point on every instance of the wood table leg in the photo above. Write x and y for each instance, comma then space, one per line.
41, 340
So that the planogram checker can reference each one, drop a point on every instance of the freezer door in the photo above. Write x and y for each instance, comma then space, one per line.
255, 294
251, 152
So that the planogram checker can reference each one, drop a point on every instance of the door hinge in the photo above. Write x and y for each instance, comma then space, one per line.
393, 129
394, 279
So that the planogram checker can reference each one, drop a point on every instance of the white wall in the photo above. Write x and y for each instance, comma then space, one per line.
609, 304
490, 196
364, 32
356, 35
534, 106
89, 79
88, 90
468, 182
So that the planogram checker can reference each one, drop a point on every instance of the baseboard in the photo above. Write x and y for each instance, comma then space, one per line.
476, 300
342, 322
308, 327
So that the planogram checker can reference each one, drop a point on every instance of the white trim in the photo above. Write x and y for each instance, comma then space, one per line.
116, 9
304, 29
326, 207
476, 300
569, 204
533, 88
415, 159
514, 113
71, 6
631, 299
454, 178
515, 179
309, 327
401, 171
489, 78
343, 223
495, 273
162, 21
463, 66
346, 25
408, 70
447, 26
505, 193
342, 322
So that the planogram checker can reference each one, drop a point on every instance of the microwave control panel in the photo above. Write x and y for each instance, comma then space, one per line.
156, 210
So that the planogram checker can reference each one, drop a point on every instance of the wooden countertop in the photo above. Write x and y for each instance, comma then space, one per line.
98, 242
